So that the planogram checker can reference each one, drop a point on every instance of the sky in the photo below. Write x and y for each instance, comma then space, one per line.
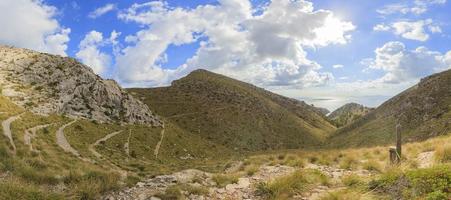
325, 52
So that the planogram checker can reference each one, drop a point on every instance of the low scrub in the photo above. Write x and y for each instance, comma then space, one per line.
415, 184
443, 153
290, 185
223, 180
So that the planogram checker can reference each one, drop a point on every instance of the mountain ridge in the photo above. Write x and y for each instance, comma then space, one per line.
348, 113
263, 113
423, 110
48, 84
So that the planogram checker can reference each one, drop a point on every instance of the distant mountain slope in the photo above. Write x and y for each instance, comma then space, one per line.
423, 110
348, 113
47, 84
236, 114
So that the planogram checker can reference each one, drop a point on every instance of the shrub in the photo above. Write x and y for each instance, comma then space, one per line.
282, 187
348, 163
415, 184
13, 189
342, 195
251, 170
442, 153
372, 165
352, 180
287, 186
223, 180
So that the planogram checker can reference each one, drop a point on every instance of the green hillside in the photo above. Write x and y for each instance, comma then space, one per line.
423, 111
236, 114
348, 113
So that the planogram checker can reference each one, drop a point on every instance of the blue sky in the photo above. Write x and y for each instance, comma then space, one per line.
367, 52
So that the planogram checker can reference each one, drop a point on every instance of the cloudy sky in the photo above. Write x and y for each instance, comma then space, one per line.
325, 52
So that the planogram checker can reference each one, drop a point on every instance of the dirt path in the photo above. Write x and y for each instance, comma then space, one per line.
114, 167
157, 148
335, 174
127, 144
64, 144
31, 133
7, 130
104, 139
245, 188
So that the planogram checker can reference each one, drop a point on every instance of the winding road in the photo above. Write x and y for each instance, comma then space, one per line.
31, 133
127, 144
104, 139
64, 144
157, 148
7, 130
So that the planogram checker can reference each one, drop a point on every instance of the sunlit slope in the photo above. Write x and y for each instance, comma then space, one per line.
236, 114
423, 110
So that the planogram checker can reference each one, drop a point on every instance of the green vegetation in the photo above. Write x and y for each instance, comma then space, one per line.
295, 183
430, 183
348, 113
223, 180
236, 114
423, 111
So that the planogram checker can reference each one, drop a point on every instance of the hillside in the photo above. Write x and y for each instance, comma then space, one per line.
236, 114
348, 113
68, 134
423, 111
46, 84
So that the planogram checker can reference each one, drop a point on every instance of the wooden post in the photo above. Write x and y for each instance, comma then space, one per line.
395, 152
398, 141
393, 156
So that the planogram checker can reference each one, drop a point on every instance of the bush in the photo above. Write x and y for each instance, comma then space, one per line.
251, 170
372, 165
93, 184
342, 195
352, 180
282, 187
223, 180
287, 186
13, 189
415, 184
442, 153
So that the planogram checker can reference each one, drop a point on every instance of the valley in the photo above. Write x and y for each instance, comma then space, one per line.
69, 134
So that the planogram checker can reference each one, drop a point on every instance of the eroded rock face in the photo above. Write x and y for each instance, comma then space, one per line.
48, 84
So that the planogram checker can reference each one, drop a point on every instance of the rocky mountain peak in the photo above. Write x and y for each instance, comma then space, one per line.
48, 84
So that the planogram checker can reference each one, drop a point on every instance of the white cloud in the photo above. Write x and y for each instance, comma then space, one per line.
434, 29
102, 10
416, 7
413, 30
267, 49
337, 66
403, 65
89, 50
381, 27
32, 24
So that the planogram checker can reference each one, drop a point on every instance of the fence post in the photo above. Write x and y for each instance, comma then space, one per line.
395, 152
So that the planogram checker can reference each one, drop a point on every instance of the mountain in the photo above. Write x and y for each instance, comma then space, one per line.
423, 111
47, 84
323, 111
236, 114
348, 113
68, 134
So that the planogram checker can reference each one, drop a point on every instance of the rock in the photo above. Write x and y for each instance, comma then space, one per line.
140, 184
68, 87
154, 198
243, 183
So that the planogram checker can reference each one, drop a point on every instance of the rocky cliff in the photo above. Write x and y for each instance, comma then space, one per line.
47, 84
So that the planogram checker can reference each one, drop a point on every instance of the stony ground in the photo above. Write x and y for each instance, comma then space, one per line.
244, 189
